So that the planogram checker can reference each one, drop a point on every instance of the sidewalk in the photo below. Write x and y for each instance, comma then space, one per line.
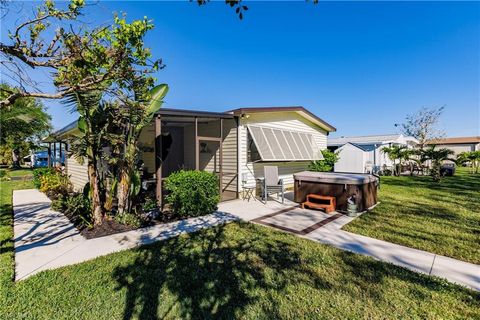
457, 271
45, 239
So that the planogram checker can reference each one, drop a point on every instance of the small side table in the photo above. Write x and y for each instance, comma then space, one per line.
249, 192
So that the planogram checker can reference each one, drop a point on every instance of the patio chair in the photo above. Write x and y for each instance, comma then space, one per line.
272, 183
248, 189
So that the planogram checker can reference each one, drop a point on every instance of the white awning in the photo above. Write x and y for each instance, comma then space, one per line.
284, 145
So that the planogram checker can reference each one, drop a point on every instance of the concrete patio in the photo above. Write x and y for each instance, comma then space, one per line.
45, 239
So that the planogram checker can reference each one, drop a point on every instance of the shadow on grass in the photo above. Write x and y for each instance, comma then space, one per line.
210, 276
226, 272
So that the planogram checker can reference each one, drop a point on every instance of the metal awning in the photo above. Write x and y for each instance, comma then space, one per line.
284, 145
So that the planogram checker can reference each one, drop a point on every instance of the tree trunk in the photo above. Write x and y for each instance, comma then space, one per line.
15, 158
97, 209
123, 193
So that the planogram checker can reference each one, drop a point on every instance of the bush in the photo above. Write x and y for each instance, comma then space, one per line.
192, 193
39, 173
55, 184
76, 207
4, 175
129, 219
325, 165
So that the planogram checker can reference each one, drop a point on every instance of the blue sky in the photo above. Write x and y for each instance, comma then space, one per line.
360, 66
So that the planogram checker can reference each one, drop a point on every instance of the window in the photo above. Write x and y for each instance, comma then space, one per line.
271, 144
252, 152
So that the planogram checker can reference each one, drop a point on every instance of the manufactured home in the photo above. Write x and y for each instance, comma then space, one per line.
235, 145
458, 144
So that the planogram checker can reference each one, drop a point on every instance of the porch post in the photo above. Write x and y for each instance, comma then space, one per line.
197, 154
221, 156
60, 147
49, 152
237, 145
158, 159
54, 154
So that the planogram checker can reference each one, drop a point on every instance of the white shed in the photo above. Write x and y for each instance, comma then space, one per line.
352, 158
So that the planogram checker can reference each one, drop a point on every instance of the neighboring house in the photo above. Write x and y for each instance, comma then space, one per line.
459, 144
235, 145
364, 153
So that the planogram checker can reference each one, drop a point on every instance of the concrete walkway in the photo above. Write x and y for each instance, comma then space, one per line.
457, 271
45, 239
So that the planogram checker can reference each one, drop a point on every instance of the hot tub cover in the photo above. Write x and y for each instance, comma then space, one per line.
335, 177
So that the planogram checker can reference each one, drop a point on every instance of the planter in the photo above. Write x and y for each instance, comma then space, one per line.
352, 210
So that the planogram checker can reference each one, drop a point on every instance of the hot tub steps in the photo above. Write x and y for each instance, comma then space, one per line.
316, 201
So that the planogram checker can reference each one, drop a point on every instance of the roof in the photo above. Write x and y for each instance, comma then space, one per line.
193, 113
299, 109
363, 148
68, 129
457, 140
376, 139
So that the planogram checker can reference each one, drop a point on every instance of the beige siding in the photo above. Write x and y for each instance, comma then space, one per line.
459, 148
208, 163
281, 120
77, 173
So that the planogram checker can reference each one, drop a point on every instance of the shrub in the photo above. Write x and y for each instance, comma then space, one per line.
76, 207
325, 165
129, 219
55, 184
39, 173
58, 204
4, 175
192, 193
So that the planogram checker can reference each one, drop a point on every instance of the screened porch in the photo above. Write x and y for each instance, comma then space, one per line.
191, 140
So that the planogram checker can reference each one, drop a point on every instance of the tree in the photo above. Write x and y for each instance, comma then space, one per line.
21, 127
436, 156
471, 157
139, 114
423, 125
394, 153
37, 43
327, 164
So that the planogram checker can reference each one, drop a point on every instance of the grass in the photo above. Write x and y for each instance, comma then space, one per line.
238, 270
442, 218
24, 172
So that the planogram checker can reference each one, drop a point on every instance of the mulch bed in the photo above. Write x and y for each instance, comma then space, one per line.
108, 227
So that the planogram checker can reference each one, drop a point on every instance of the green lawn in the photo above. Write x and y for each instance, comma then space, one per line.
19, 172
235, 271
441, 218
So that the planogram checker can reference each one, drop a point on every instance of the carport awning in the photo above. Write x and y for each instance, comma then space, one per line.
283, 145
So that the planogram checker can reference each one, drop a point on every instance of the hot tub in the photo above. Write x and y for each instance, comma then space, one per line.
339, 185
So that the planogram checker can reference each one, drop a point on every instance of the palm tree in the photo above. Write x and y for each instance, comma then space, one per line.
129, 177
472, 157
395, 153
436, 156
88, 145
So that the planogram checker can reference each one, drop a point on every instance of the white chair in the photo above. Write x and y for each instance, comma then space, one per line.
272, 183
248, 189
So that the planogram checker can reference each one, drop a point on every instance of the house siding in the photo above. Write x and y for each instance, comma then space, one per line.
77, 173
281, 120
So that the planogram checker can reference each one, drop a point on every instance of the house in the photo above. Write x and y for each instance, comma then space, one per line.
364, 153
235, 145
459, 144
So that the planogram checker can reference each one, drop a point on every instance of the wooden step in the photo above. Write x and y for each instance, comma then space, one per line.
327, 207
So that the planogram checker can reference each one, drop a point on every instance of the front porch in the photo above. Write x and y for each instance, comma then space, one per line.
191, 140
